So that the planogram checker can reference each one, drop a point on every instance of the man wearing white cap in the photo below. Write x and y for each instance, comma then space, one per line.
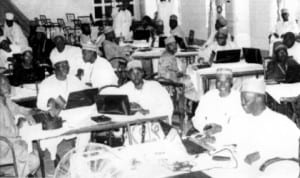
218, 107
149, 96
221, 43
262, 134
111, 48
98, 72
57, 86
168, 68
283, 26
71, 53
221, 22
176, 30
13, 31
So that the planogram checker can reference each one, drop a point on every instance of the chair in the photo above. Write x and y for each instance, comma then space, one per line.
269, 162
70, 17
43, 20
84, 19
14, 161
61, 22
191, 37
176, 91
119, 64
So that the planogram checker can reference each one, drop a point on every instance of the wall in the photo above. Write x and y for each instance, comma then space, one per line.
194, 17
262, 19
54, 8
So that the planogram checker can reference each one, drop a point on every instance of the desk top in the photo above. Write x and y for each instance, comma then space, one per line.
156, 53
236, 67
279, 91
26, 91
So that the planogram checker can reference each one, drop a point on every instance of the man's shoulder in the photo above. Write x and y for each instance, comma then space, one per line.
48, 80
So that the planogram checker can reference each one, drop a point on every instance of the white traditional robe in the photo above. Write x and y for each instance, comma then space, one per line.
100, 73
216, 47
72, 54
122, 23
153, 97
271, 134
179, 33
215, 109
52, 88
15, 35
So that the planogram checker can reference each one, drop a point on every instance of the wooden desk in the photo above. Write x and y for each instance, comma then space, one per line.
97, 127
149, 65
239, 69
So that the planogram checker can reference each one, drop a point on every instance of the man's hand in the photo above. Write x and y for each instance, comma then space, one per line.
21, 122
138, 108
250, 158
54, 107
80, 73
211, 129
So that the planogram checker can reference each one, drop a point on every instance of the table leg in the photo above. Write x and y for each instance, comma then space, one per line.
41, 157
129, 134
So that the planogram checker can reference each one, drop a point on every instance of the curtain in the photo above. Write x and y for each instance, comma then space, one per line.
8, 6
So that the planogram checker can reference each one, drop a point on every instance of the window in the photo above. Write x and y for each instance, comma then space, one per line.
103, 9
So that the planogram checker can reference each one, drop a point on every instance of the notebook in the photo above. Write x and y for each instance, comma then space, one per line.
252, 55
228, 56
113, 104
141, 35
82, 98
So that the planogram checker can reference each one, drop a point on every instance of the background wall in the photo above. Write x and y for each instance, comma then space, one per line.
54, 8
195, 17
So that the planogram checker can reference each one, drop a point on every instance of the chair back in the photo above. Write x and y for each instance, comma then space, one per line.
14, 161
119, 64
176, 91
70, 17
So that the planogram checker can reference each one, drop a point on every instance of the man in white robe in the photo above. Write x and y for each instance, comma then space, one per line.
282, 27
218, 107
58, 86
261, 135
13, 31
176, 30
70, 53
150, 96
221, 43
122, 21
98, 72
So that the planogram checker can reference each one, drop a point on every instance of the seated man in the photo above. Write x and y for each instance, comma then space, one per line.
221, 22
177, 31
14, 32
293, 46
168, 68
218, 106
71, 53
27, 163
98, 72
282, 68
284, 25
146, 95
262, 134
221, 43
55, 89
111, 48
